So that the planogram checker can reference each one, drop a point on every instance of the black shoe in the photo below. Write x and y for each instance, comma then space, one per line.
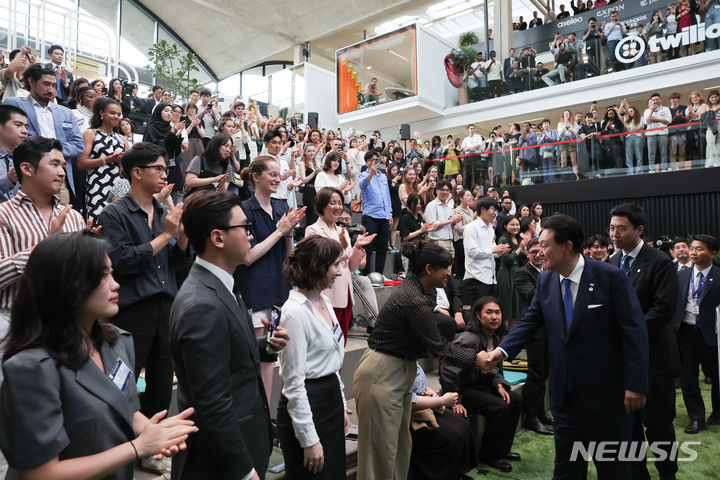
501, 465
513, 457
695, 427
532, 423
714, 419
546, 419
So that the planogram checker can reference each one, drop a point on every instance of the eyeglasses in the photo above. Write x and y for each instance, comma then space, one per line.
618, 229
247, 226
157, 168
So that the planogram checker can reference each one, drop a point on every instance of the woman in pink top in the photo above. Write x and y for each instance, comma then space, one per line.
329, 207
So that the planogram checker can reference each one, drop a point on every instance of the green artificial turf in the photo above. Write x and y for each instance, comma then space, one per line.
538, 452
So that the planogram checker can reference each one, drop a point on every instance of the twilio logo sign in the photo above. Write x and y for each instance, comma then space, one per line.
631, 48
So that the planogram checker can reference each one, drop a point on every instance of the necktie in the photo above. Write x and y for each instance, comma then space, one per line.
684, 267
626, 264
58, 81
567, 303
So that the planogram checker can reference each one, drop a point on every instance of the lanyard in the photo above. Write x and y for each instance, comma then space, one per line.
701, 283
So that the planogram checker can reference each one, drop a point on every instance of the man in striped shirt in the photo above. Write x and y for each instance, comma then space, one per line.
29, 217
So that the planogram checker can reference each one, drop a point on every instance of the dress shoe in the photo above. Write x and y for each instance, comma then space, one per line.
695, 427
501, 465
513, 457
714, 419
546, 419
532, 423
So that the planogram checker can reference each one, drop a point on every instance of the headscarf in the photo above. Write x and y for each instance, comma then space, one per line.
158, 131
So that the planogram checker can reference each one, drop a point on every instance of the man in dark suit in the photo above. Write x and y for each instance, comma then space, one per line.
698, 297
598, 350
64, 78
215, 352
149, 104
525, 281
654, 279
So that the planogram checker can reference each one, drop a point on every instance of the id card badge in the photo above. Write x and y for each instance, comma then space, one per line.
120, 374
337, 333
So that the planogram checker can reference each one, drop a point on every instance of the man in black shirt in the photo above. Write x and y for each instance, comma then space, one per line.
678, 136
537, 81
144, 249
563, 13
563, 65
589, 157
593, 41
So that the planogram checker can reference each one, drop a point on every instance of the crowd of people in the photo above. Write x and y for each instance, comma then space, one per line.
178, 252
591, 50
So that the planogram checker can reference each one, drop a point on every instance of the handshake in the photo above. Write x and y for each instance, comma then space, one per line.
487, 361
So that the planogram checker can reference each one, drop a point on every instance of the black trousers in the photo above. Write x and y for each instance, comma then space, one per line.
474, 289
534, 389
381, 226
655, 421
328, 417
147, 321
574, 423
501, 420
693, 353
495, 87
458, 268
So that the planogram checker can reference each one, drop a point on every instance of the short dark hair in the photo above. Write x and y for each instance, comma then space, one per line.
632, 211
155, 88
203, 212
710, 242
193, 91
13, 54
531, 243
308, 263
323, 197
52, 48
7, 111
139, 155
36, 72
443, 183
370, 154
592, 19
205, 91
601, 239
677, 240
32, 150
485, 203
656, 94
566, 229
267, 138
421, 254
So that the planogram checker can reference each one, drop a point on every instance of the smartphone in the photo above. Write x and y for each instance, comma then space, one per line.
274, 323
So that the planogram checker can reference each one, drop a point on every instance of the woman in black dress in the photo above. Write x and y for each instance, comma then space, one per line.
309, 170
613, 147
394, 176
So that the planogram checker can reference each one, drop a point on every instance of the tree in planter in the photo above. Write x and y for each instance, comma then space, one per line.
172, 68
459, 60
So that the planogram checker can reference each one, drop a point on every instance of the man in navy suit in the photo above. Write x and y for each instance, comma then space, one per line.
598, 350
698, 297
654, 279
50, 120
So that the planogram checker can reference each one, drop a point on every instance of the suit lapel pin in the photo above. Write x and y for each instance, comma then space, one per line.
591, 287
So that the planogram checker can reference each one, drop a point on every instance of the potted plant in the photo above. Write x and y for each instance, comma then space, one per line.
459, 60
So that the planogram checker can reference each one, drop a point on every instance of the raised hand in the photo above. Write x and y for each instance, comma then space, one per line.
57, 224
172, 220
364, 240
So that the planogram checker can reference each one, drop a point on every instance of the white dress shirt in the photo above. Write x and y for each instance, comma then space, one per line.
681, 265
479, 241
689, 316
45, 119
437, 212
633, 254
574, 278
474, 140
316, 351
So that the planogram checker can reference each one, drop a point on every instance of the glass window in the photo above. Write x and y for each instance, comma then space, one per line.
137, 35
254, 85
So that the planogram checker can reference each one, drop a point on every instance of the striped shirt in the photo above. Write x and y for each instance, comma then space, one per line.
21, 228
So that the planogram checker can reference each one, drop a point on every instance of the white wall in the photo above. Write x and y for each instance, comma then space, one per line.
321, 95
433, 84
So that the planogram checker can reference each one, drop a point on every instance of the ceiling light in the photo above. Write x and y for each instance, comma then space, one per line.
713, 88
368, 67
397, 54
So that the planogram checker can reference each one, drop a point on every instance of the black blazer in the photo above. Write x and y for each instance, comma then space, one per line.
525, 281
452, 290
604, 353
709, 299
216, 359
654, 279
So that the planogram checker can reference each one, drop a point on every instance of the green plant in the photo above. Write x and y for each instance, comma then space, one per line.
172, 68
464, 56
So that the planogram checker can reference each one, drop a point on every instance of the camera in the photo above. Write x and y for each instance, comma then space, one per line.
127, 88
353, 230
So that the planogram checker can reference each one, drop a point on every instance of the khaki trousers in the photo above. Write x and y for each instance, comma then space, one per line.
382, 389
447, 245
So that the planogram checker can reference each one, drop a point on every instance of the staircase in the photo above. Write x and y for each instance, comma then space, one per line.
348, 87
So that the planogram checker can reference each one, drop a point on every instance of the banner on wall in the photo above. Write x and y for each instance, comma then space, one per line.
88, 64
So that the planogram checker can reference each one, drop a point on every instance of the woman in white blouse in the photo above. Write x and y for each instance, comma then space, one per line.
328, 177
311, 416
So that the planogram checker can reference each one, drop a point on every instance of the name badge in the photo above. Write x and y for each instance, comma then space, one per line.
67, 124
120, 374
337, 333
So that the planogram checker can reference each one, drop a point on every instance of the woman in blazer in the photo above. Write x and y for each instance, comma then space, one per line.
329, 207
311, 413
68, 403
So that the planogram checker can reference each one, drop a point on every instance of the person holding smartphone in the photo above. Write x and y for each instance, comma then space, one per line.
312, 417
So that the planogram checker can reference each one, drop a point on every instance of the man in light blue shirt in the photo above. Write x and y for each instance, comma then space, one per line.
614, 32
376, 210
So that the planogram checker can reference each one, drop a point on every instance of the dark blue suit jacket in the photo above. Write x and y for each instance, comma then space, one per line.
606, 350
709, 299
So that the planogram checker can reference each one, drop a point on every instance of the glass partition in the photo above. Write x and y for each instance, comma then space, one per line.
376, 71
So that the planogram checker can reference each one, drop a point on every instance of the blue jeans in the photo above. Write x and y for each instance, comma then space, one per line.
712, 16
655, 143
633, 147
614, 63
548, 167
381, 226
